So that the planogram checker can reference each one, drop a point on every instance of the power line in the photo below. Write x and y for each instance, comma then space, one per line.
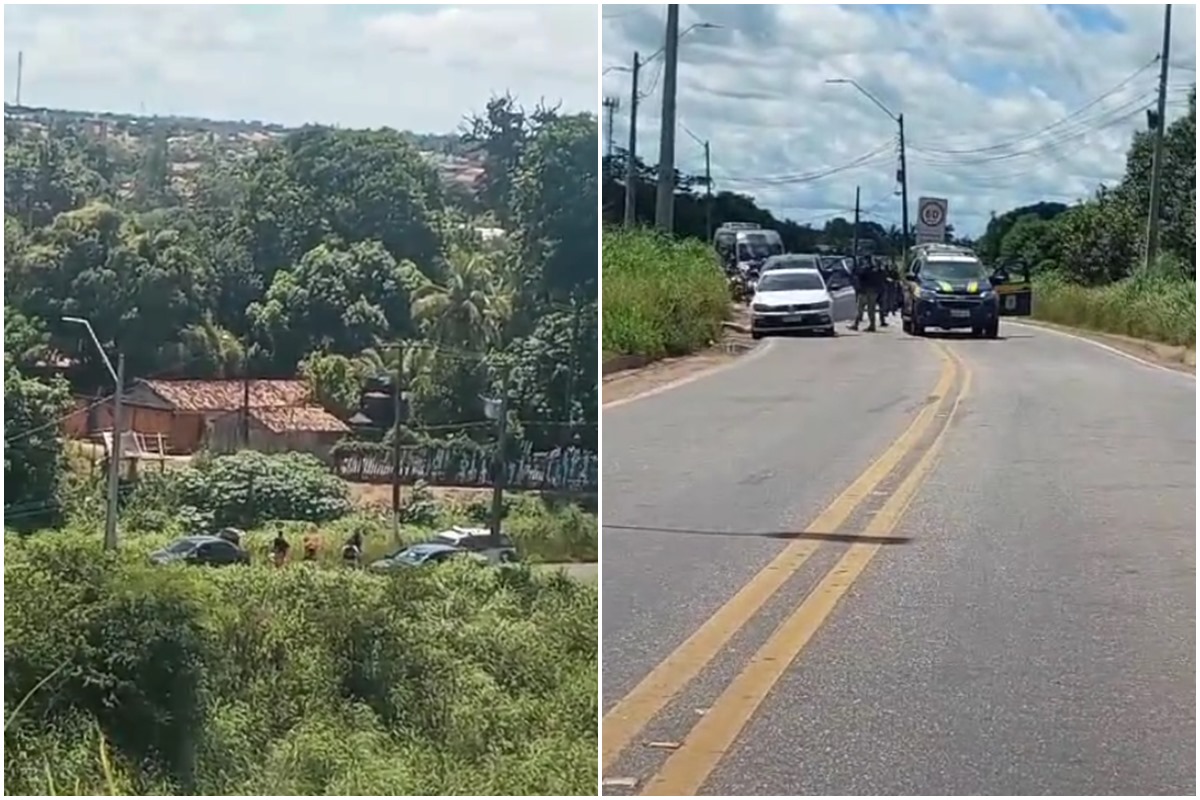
868, 158
1057, 123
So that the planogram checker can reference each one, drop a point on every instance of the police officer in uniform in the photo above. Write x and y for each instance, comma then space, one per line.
869, 284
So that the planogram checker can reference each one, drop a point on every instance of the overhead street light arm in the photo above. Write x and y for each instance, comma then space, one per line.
708, 26
95, 341
869, 96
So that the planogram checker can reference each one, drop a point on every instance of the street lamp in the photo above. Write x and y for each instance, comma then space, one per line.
899, 120
114, 463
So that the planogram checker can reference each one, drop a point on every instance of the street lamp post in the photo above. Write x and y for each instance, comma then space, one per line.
114, 462
899, 120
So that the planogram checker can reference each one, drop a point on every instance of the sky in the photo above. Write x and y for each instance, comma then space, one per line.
978, 86
419, 68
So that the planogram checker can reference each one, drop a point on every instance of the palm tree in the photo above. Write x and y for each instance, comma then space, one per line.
471, 308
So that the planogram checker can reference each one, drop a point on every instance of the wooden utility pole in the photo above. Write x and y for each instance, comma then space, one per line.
1159, 133
631, 156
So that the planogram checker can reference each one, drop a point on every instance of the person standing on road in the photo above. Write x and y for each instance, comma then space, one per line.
870, 280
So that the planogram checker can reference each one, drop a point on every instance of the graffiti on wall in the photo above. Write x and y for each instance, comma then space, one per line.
566, 469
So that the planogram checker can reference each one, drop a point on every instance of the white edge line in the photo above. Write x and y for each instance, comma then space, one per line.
675, 384
1114, 350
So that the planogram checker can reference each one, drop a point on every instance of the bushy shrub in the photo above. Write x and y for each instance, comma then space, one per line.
254, 680
245, 489
661, 297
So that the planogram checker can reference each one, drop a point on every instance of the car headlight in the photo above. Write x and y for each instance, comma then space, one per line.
988, 295
923, 294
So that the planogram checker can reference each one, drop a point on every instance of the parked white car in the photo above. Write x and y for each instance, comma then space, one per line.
799, 299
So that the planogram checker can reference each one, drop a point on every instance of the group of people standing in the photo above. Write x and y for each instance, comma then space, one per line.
877, 284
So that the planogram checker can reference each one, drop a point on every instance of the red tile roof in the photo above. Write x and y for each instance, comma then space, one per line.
305, 418
228, 395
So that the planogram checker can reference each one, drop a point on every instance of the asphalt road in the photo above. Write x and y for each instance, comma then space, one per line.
1017, 617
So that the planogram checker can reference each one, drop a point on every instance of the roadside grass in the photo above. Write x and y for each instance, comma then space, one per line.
1152, 307
661, 297
123, 678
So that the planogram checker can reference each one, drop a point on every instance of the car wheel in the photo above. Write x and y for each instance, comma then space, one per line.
993, 330
830, 331
755, 335
916, 329
977, 332
906, 325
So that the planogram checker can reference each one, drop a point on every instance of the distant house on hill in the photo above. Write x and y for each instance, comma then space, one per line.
183, 411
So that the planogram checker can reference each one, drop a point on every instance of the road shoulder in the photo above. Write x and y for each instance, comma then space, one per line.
1175, 357
626, 377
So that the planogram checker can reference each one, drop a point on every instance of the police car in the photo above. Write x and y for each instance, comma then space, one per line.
948, 287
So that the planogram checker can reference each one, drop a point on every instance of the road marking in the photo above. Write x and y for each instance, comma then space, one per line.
686, 770
626, 719
755, 354
1114, 350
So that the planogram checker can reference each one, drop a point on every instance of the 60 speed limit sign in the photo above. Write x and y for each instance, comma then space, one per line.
931, 219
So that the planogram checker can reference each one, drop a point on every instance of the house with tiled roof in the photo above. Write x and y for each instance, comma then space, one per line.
307, 429
184, 412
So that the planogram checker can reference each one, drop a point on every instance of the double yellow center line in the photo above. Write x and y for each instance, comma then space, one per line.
689, 766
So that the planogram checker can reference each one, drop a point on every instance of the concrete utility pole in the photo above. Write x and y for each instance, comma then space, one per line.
708, 195
854, 246
20, 73
397, 416
631, 156
902, 176
499, 460
664, 211
903, 194
1159, 133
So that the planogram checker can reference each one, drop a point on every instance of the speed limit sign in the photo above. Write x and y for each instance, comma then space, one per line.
931, 219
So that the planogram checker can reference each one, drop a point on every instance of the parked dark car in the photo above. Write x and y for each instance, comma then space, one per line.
207, 550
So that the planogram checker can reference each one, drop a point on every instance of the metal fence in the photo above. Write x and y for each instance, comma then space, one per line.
569, 469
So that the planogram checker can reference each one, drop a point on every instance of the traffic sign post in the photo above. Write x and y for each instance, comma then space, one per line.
931, 219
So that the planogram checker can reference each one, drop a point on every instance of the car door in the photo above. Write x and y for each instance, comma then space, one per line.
841, 294
1014, 290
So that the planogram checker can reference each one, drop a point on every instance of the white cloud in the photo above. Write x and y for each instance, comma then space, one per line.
966, 77
411, 67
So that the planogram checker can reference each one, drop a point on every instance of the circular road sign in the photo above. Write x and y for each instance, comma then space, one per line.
932, 214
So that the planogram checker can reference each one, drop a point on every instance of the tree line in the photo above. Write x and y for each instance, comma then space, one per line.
1102, 240
334, 255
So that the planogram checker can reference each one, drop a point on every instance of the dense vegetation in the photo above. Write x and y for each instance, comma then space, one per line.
335, 256
125, 678
313, 255
661, 297
1088, 257
691, 218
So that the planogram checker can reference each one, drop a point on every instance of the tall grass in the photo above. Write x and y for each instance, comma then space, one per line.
661, 297
1152, 306
121, 677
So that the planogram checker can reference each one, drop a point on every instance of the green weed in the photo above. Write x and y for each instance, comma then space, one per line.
1156, 307
661, 297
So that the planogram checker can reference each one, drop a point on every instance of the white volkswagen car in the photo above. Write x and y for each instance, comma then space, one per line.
799, 299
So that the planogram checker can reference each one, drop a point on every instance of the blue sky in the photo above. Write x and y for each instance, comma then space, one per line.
413, 67
977, 85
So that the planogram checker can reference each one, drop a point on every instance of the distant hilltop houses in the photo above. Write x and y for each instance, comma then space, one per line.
186, 136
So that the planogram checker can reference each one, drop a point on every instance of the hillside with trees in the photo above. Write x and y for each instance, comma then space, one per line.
314, 254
